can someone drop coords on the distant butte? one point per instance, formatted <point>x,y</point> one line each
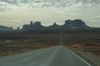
<point>5,28</point>
<point>69,24</point>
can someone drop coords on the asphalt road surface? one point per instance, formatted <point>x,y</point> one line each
<point>53,56</point>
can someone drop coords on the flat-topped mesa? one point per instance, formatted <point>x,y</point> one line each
<point>5,28</point>
<point>68,21</point>
<point>69,24</point>
<point>37,23</point>
<point>75,24</point>
<point>76,21</point>
<point>33,25</point>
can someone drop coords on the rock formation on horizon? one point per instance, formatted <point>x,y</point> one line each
<point>35,25</point>
<point>54,26</point>
<point>18,28</point>
<point>75,24</point>
<point>69,24</point>
<point>5,28</point>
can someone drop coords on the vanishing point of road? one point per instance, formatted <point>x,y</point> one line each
<point>52,56</point>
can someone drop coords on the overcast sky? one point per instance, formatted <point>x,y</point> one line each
<point>15,13</point>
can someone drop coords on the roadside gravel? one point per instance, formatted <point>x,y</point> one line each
<point>90,57</point>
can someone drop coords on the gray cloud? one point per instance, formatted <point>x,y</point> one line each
<point>2,4</point>
<point>62,3</point>
<point>50,3</point>
<point>9,1</point>
<point>2,9</point>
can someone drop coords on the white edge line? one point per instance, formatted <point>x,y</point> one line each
<point>80,58</point>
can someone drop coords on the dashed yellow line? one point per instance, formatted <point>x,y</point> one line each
<point>45,55</point>
<point>35,61</point>
<point>32,62</point>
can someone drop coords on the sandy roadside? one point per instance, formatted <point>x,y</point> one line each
<point>90,57</point>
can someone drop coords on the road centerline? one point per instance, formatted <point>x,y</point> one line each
<point>27,59</point>
<point>45,55</point>
<point>32,63</point>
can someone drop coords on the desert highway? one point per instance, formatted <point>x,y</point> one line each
<point>52,56</point>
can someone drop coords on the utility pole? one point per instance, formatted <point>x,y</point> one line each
<point>61,39</point>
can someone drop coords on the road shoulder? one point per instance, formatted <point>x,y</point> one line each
<point>95,60</point>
